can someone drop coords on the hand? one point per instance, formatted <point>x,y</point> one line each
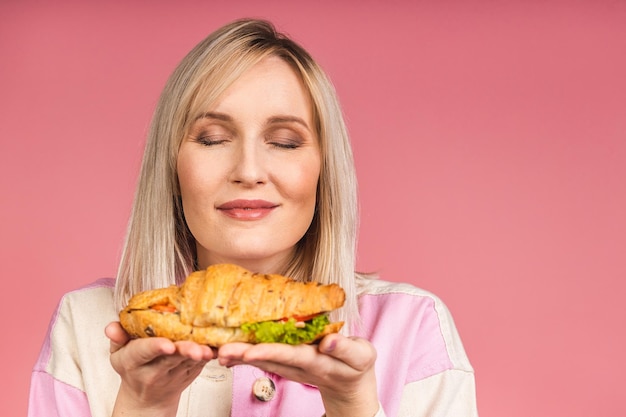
<point>341,367</point>
<point>154,371</point>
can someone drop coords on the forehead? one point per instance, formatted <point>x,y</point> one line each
<point>270,85</point>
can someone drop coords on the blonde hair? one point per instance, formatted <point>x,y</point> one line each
<point>159,249</point>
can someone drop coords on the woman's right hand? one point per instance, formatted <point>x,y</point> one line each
<point>154,372</point>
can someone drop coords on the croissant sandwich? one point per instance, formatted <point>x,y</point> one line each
<point>227,303</point>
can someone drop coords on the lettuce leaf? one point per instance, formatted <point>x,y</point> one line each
<point>287,332</point>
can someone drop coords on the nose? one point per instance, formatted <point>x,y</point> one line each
<point>249,165</point>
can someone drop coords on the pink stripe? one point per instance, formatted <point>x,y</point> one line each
<point>406,331</point>
<point>52,398</point>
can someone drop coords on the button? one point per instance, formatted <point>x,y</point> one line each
<point>264,389</point>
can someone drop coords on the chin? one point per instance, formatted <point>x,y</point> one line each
<point>262,260</point>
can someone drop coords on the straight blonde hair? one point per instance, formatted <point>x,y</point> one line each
<point>159,249</point>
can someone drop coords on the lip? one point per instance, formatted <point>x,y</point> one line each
<point>247,209</point>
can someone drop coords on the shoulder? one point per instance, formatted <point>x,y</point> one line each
<point>102,285</point>
<point>416,316</point>
<point>372,285</point>
<point>84,303</point>
<point>387,294</point>
<point>91,303</point>
<point>90,296</point>
<point>93,299</point>
<point>76,331</point>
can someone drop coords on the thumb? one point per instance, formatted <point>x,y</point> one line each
<point>117,335</point>
<point>355,352</point>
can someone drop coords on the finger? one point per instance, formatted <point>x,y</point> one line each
<point>194,351</point>
<point>231,354</point>
<point>151,350</point>
<point>286,360</point>
<point>117,335</point>
<point>187,356</point>
<point>185,372</point>
<point>356,352</point>
<point>232,350</point>
<point>291,355</point>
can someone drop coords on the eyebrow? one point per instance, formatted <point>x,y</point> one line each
<point>288,119</point>
<point>272,120</point>
<point>213,115</point>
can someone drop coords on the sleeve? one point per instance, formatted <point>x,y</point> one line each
<point>451,393</point>
<point>50,396</point>
<point>428,374</point>
<point>447,393</point>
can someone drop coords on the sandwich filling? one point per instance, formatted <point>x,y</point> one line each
<point>290,331</point>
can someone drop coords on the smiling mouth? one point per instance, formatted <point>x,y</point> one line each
<point>247,209</point>
<point>247,205</point>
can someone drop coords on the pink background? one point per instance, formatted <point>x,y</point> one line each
<point>490,142</point>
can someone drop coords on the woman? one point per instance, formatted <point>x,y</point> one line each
<point>248,162</point>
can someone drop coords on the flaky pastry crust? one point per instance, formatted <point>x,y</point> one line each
<point>212,304</point>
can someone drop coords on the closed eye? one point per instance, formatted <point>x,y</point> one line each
<point>283,138</point>
<point>285,145</point>
<point>211,140</point>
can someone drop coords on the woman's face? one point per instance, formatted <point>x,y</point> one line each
<point>249,169</point>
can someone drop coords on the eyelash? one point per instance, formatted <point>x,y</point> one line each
<point>210,140</point>
<point>284,140</point>
<point>285,143</point>
<point>207,141</point>
<point>290,145</point>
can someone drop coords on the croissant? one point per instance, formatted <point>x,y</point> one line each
<point>227,303</point>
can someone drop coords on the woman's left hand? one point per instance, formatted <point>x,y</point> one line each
<point>341,367</point>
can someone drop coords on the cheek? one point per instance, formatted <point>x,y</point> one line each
<point>186,179</point>
<point>303,182</point>
<point>194,181</point>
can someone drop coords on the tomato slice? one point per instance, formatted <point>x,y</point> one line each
<point>306,318</point>
<point>164,308</point>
